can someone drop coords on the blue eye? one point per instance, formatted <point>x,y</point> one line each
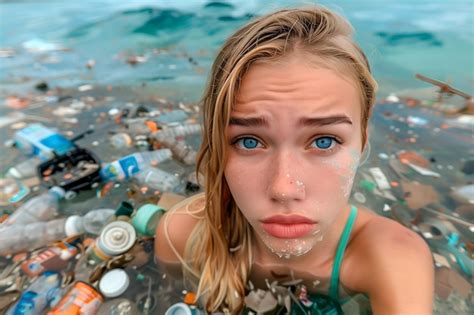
<point>248,143</point>
<point>324,142</point>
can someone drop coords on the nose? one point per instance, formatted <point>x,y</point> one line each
<point>285,185</point>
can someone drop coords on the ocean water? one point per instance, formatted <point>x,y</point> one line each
<point>400,38</point>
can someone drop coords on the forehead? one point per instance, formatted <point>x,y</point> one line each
<point>296,86</point>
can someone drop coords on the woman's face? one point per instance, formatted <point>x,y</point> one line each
<point>293,144</point>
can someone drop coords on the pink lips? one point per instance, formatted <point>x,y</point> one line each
<point>288,226</point>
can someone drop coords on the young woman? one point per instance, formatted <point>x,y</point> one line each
<point>284,127</point>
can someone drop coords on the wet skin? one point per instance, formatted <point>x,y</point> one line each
<point>294,143</point>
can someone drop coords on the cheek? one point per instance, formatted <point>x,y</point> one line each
<point>243,181</point>
<point>340,173</point>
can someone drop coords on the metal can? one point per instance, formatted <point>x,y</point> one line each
<point>116,238</point>
<point>81,299</point>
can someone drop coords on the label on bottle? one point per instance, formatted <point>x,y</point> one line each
<point>122,169</point>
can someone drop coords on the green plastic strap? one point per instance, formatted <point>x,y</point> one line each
<point>333,288</point>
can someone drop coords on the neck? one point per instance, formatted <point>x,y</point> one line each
<point>321,253</point>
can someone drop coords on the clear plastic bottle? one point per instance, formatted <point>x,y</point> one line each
<point>140,126</point>
<point>178,131</point>
<point>38,296</point>
<point>181,151</point>
<point>40,208</point>
<point>131,164</point>
<point>158,179</point>
<point>19,237</point>
<point>25,169</point>
<point>95,220</point>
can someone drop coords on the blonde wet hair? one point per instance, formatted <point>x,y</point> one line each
<point>218,253</point>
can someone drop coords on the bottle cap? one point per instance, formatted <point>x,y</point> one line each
<point>146,219</point>
<point>114,283</point>
<point>73,226</point>
<point>125,208</point>
<point>179,309</point>
<point>58,191</point>
<point>117,237</point>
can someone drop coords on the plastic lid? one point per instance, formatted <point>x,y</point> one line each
<point>73,226</point>
<point>179,309</point>
<point>125,208</point>
<point>146,219</point>
<point>114,283</point>
<point>58,191</point>
<point>117,237</point>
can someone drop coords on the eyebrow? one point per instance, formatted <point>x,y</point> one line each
<point>305,121</point>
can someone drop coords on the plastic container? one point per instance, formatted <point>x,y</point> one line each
<point>121,140</point>
<point>25,169</point>
<point>38,296</point>
<point>158,179</point>
<point>19,237</point>
<point>12,191</point>
<point>178,131</point>
<point>140,126</point>
<point>146,219</point>
<point>76,170</point>
<point>132,164</point>
<point>95,220</point>
<point>39,208</point>
<point>36,139</point>
<point>181,151</point>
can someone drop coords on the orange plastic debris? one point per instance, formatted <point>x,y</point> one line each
<point>413,158</point>
<point>190,298</point>
<point>153,126</point>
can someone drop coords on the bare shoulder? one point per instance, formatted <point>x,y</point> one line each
<point>175,226</point>
<point>396,267</point>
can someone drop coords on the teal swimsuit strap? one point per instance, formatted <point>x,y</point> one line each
<point>333,288</point>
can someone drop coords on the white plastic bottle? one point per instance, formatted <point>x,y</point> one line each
<point>158,179</point>
<point>131,164</point>
<point>17,238</point>
<point>40,208</point>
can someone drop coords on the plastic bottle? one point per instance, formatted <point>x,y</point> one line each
<point>132,164</point>
<point>173,116</point>
<point>181,151</point>
<point>121,140</point>
<point>19,237</point>
<point>140,126</point>
<point>25,169</point>
<point>158,179</point>
<point>11,191</point>
<point>95,220</point>
<point>178,131</point>
<point>40,208</point>
<point>39,295</point>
